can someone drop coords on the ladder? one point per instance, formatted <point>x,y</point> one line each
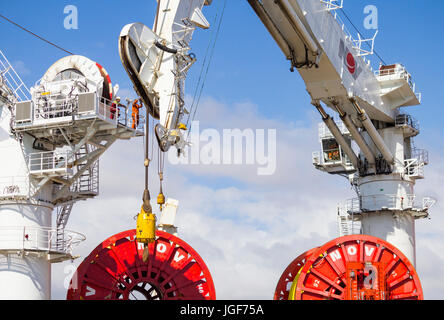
<point>344,226</point>
<point>63,213</point>
<point>87,183</point>
<point>83,184</point>
<point>348,224</point>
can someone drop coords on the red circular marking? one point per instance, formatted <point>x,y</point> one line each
<point>351,63</point>
<point>115,270</point>
<point>340,270</point>
<point>287,277</point>
<point>108,84</point>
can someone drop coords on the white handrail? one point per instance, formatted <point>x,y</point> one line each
<point>324,132</point>
<point>13,80</point>
<point>398,71</point>
<point>38,239</point>
<point>48,161</point>
<point>379,202</point>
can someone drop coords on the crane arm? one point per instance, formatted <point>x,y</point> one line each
<point>329,60</point>
<point>157,61</point>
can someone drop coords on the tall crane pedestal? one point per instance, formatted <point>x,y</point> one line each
<point>52,138</point>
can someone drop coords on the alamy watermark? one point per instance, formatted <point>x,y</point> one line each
<point>371,19</point>
<point>71,20</point>
<point>253,147</point>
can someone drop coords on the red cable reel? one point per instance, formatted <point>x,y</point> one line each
<point>290,273</point>
<point>357,267</point>
<point>115,270</point>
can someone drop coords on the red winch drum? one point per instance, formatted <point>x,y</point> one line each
<point>357,267</point>
<point>115,270</point>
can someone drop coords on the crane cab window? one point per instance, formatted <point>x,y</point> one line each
<point>69,74</point>
<point>331,150</point>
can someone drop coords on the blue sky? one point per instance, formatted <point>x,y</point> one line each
<point>249,75</point>
<point>247,65</point>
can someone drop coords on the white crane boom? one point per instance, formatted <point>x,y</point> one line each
<point>157,61</point>
<point>336,73</point>
<point>311,36</point>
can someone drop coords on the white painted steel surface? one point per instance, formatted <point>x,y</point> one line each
<point>35,176</point>
<point>340,75</point>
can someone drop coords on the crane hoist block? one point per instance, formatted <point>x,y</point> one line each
<point>146,227</point>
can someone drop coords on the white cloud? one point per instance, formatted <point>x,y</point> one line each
<point>124,93</point>
<point>21,68</point>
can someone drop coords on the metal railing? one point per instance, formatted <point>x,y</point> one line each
<point>119,114</point>
<point>48,161</point>
<point>428,202</point>
<point>379,202</point>
<point>333,4</point>
<point>406,120</point>
<point>348,225</point>
<point>6,95</point>
<point>86,185</point>
<point>413,168</point>
<point>88,182</point>
<point>47,108</point>
<point>397,71</point>
<point>13,80</point>
<point>421,154</point>
<point>418,96</point>
<point>316,158</point>
<point>357,43</point>
<point>137,124</point>
<point>38,239</point>
<point>319,161</point>
<point>106,110</point>
<point>324,132</point>
<point>126,118</point>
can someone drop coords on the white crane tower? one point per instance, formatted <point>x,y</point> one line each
<point>337,74</point>
<point>51,138</point>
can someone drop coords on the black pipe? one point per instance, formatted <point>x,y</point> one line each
<point>165,48</point>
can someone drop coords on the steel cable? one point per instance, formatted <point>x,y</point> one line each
<point>35,35</point>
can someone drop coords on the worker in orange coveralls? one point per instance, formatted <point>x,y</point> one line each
<point>135,113</point>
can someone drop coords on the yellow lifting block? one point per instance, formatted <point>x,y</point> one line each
<point>161,199</point>
<point>146,227</point>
